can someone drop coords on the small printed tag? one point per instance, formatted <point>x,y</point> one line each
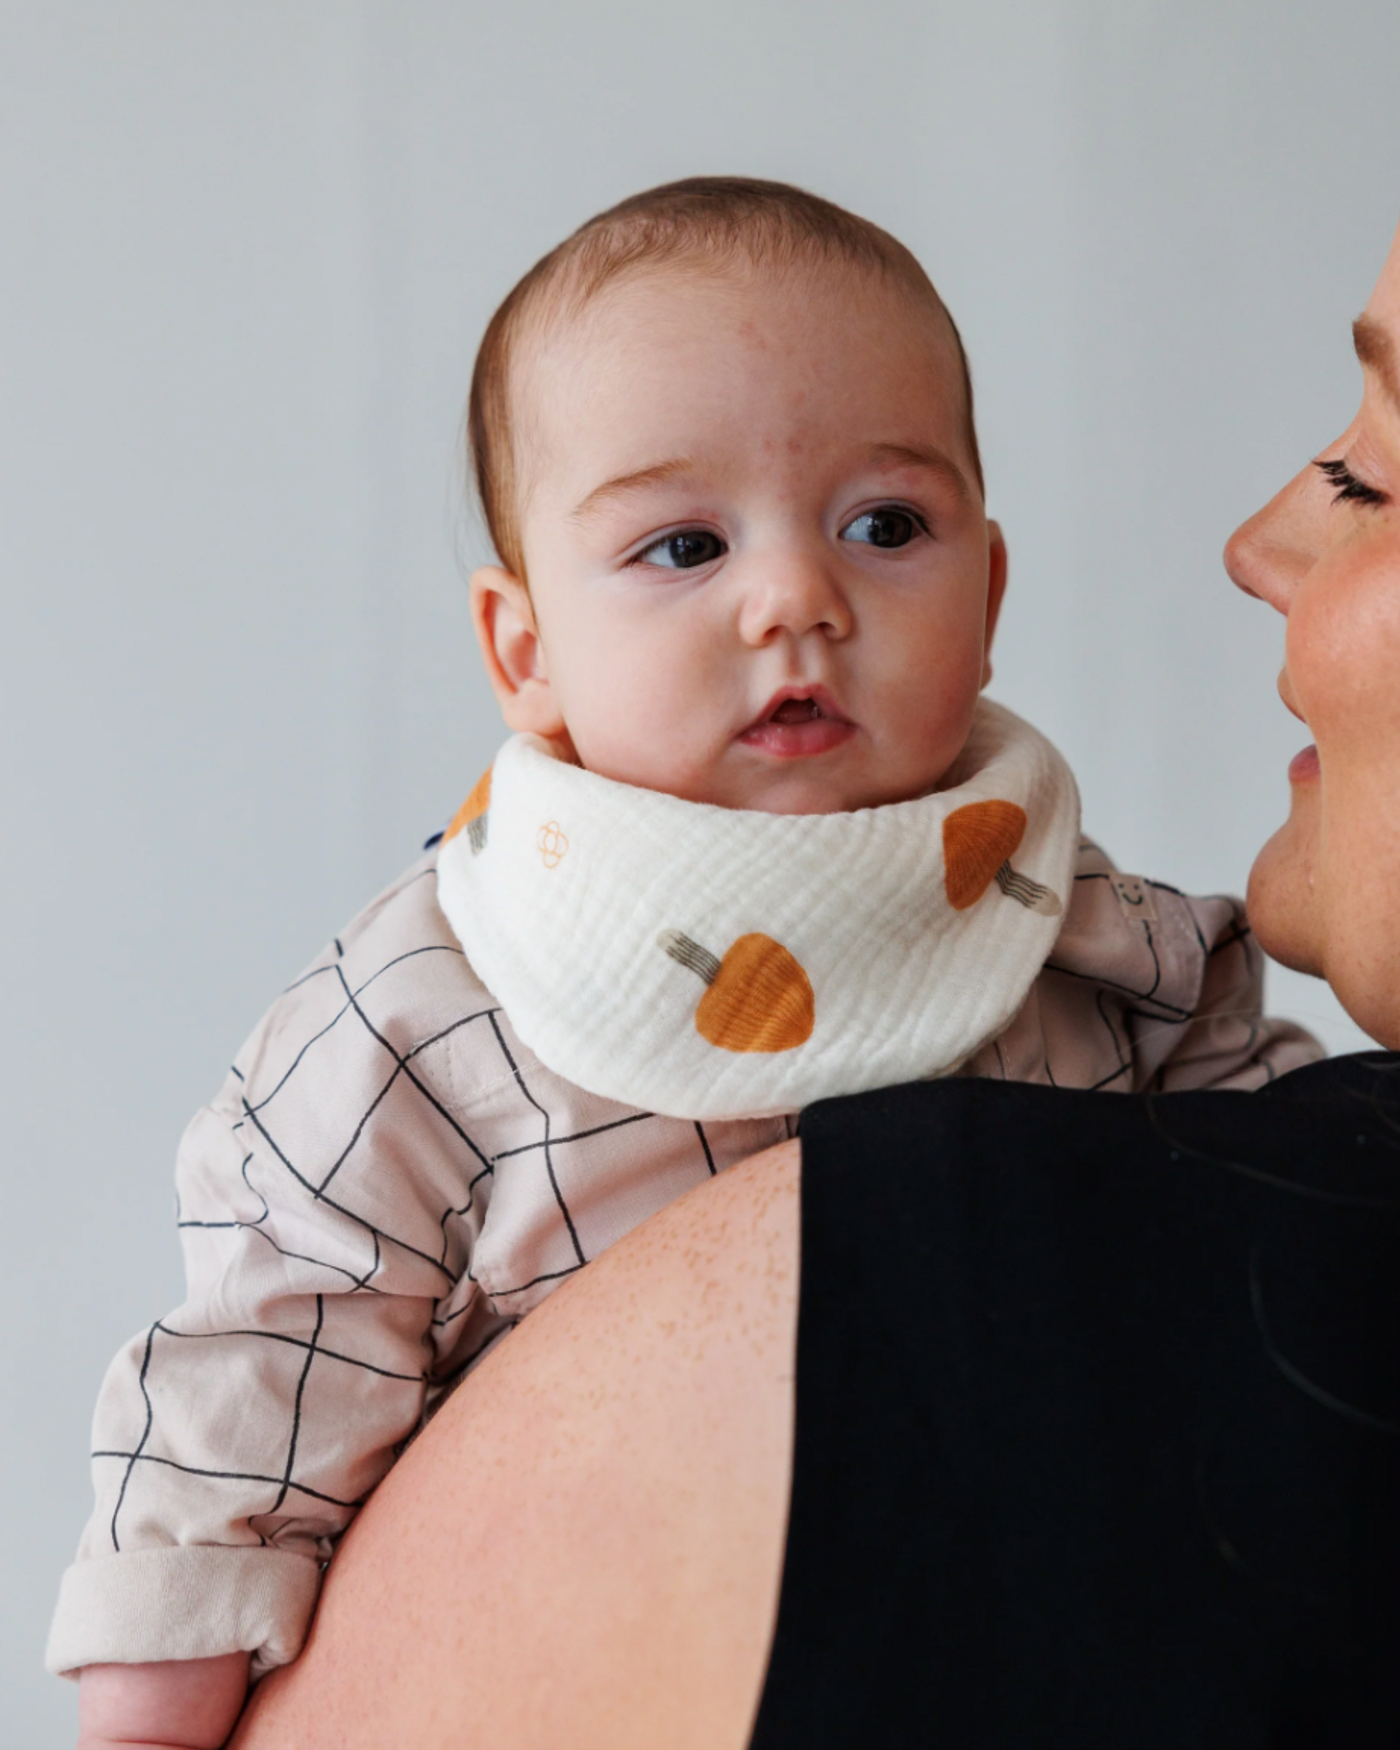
<point>1134,897</point>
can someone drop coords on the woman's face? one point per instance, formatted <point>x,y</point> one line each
<point>1324,894</point>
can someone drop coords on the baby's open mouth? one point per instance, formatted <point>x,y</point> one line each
<point>796,711</point>
<point>808,723</point>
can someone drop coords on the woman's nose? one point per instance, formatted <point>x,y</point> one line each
<point>792,593</point>
<point>1270,554</point>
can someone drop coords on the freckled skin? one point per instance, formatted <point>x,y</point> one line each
<point>585,1547</point>
<point>1323,892</point>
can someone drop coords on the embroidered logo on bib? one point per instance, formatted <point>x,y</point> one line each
<point>551,844</point>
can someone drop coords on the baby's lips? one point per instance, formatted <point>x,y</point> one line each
<point>818,696</point>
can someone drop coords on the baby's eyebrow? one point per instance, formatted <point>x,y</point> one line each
<point>621,484</point>
<point>891,454</point>
<point>1376,350</point>
<point>916,456</point>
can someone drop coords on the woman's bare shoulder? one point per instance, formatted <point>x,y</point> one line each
<point>586,1545</point>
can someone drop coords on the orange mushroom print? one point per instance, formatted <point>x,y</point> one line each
<point>471,816</point>
<point>978,843</point>
<point>759,998</point>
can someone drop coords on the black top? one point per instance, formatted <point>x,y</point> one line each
<point>1098,1420</point>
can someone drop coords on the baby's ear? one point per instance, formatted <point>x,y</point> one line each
<point>996,591</point>
<point>504,618</point>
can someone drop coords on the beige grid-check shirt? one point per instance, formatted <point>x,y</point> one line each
<point>388,1180</point>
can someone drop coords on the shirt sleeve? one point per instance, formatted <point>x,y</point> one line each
<point>1226,1039</point>
<point>325,1208</point>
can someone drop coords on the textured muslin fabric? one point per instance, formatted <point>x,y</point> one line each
<point>563,890</point>
<point>390,1178</point>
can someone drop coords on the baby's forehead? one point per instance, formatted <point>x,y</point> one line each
<point>569,317</point>
<point>655,310</point>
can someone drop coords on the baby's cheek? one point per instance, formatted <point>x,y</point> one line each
<point>940,687</point>
<point>654,719</point>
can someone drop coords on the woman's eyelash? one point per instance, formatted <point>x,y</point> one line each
<point>1349,488</point>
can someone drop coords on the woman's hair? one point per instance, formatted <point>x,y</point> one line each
<point>720,220</point>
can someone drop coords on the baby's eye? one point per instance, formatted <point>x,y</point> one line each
<point>683,550</point>
<point>886,527</point>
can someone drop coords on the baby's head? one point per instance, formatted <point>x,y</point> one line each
<point>723,440</point>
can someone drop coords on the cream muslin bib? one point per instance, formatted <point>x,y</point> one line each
<point>717,963</point>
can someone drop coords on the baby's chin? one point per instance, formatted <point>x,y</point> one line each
<point>832,783</point>
<point>812,792</point>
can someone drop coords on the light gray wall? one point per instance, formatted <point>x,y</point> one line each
<point>246,250</point>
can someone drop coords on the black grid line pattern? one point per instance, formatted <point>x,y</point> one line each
<point>389,1180</point>
<point>1126,1003</point>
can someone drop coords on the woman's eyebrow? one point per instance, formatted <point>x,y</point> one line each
<point>621,484</point>
<point>1376,350</point>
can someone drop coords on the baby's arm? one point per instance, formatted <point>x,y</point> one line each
<point>327,1213</point>
<point>235,1437</point>
<point>180,1704</point>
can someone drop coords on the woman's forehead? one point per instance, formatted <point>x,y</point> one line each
<point>1376,332</point>
<point>1384,304</point>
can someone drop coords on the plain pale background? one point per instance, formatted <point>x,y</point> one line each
<point>247,248</point>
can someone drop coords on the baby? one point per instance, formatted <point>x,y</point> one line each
<point>758,841</point>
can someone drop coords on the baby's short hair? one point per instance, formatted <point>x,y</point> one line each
<point>719,220</point>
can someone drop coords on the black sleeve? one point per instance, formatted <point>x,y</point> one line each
<point>1098,1420</point>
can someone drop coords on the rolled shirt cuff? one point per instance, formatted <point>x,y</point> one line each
<point>190,1601</point>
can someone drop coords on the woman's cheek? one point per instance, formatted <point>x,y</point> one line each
<point>1341,851</point>
<point>1282,899</point>
<point>1359,859</point>
<point>1343,647</point>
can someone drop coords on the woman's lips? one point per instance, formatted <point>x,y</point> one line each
<point>1304,766</point>
<point>795,727</point>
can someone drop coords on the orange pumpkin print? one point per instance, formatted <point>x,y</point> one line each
<point>758,997</point>
<point>471,817</point>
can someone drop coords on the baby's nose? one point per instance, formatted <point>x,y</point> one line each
<point>793,593</point>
